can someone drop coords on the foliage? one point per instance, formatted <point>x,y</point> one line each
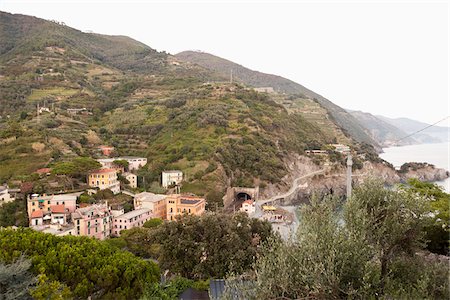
<point>86,266</point>
<point>154,222</point>
<point>121,163</point>
<point>13,214</point>
<point>211,245</point>
<point>79,166</point>
<point>15,279</point>
<point>438,230</point>
<point>173,289</point>
<point>365,249</point>
<point>47,289</point>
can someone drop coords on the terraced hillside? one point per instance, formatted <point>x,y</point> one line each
<point>258,79</point>
<point>143,102</point>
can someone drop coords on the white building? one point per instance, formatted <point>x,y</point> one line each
<point>171,177</point>
<point>155,202</point>
<point>5,197</point>
<point>132,179</point>
<point>134,218</point>
<point>341,148</point>
<point>248,207</point>
<point>134,163</point>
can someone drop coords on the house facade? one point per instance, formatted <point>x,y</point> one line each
<point>134,218</point>
<point>5,197</point>
<point>132,179</point>
<point>104,179</point>
<point>155,202</point>
<point>171,177</point>
<point>45,202</point>
<point>248,207</point>
<point>178,204</point>
<point>93,221</point>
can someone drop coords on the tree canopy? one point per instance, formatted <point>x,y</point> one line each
<point>87,266</point>
<point>365,249</point>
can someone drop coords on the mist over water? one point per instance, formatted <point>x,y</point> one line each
<point>436,154</point>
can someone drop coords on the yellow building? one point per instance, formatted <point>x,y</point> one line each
<point>181,204</point>
<point>104,179</point>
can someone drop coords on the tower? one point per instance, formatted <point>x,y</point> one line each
<point>349,175</point>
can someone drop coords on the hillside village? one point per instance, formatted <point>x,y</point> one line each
<point>132,173</point>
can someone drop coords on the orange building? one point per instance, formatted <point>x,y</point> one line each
<point>183,204</point>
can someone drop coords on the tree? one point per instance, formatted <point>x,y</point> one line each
<point>364,248</point>
<point>211,245</point>
<point>16,279</point>
<point>121,163</point>
<point>438,228</point>
<point>154,222</point>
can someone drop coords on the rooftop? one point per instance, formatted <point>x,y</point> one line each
<point>131,157</point>
<point>190,201</point>
<point>172,171</point>
<point>100,171</point>
<point>134,213</point>
<point>37,214</point>
<point>150,197</point>
<point>58,209</point>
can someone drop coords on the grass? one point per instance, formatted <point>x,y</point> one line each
<point>57,93</point>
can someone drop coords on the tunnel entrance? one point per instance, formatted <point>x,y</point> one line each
<point>241,197</point>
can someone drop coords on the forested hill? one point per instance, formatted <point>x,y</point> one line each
<point>280,84</point>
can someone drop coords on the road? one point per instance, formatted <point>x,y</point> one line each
<point>286,230</point>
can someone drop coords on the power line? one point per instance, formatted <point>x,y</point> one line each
<point>421,129</point>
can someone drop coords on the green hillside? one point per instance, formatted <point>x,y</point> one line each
<point>143,102</point>
<point>258,79</point>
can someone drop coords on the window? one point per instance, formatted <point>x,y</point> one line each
<point>64,202</point>
<point>189,210</point>
<point>57,202</point>
<point>32,203</point>
<point>171,210</point>
<point>125,227</point>
<point>48,202</point>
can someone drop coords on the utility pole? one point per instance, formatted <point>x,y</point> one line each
<point>38,120</point>
<point>349,175</point>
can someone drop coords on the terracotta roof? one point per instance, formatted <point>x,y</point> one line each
<point>58,209</point>
<point>247,202</point>
<point>37,214</point>
<point>103,171</point>
<point>43,171</point>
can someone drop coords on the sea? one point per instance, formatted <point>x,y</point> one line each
<point>436,154</point>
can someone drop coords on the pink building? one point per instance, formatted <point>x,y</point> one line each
<point>93,221</point>
<point>134,218</point>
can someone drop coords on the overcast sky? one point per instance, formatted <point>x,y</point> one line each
<point>389,58</point>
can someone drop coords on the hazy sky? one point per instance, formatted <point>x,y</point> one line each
<point>384,57</point>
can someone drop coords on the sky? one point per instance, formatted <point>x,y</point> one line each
<point>384,57</point>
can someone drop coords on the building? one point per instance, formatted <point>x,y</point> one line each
<point>134,163</point>
<point>267,89</point>
<point>155,202</point>
<point>93,221</point>
<point>5,197</point>
<point>132,179</point>
<point>134,218</point>
<point>341,148</point>
<point>45,202</point>
<point>106,150</point>
<point>182,204</point>
<point>104,179</point>
<point>248,207</point>
<point>171,177</point>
